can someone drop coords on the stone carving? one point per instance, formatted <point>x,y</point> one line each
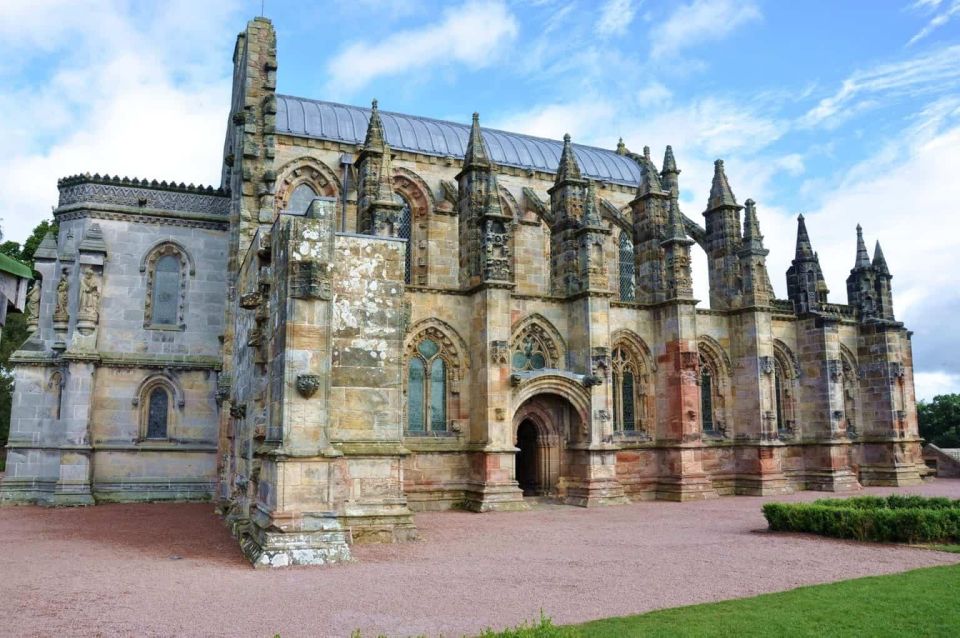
<point>32,308</point>
<point>143,194</point>
<point>61,312</point>
<point>590,380</point>
<point>766,365</point>
<point>89,309</point>
<point>499,353</point>
<point>308,384</point>
<point>310,280</point>
<point>250,300</point>
<point>600,361</point>
<point>238,411</point>
<point>835,370</point>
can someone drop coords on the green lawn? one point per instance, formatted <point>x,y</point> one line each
<point>922,602</point>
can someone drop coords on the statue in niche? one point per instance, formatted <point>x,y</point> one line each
<point>89,296</point>
<point>33,304</point>
<point>63,290</point>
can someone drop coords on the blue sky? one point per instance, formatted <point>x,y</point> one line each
<point>846,111</point>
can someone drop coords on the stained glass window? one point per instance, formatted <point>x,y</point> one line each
<point>157,414</point>
<point>415,394</point>
<point>627,407</point>
<point>629,419</point>
<point>427,388</point>
<point>627,285</point>
<point>530,355</point>
<point>166,290</point>
<point>300,199</point>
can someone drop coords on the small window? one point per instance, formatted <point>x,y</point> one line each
<point>166,290</point>
<point>157,413</point>
<point>706,397</point>
<point>300,199</point>
<point>404,228</point>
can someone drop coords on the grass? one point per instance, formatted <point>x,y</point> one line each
<point>922,602</point>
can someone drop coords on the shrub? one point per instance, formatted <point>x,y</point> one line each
<point>897,519</point>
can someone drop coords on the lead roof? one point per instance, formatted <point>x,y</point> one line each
<point>317,119</point>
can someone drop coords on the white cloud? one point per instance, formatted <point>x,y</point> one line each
<point>135,90</point>
<point>653,94</point>
<point>699,22</point>
<point>472,34</point>
<point>936,72</point>
<point>615,18</point>
<point>931,384</point>
<point>937,21</point>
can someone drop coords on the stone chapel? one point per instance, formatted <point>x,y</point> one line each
<point>376,314</point>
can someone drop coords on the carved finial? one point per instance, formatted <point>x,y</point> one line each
<point>879,261</point>
<point>720,193</point>
<point>621,147</point>
<point>374,140</point>
<point>568,168</point>
<point>804,249</point>
<point>863,257</point>
<point>751,226</point>
<point>476,154</point>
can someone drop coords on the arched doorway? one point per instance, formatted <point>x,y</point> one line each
<point>542,424</point>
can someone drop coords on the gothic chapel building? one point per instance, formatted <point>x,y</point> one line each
<point>377,314</point>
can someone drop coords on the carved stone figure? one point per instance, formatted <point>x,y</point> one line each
<point>60,312</point>
<point>32,308</point>
<point>90,296</point>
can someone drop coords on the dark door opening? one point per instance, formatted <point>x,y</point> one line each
<point>527,471</point>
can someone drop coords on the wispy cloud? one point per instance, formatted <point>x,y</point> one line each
<point>106,81</point>
<point>471,34</point>
<point>930,73</point>
<point>699,22</point>
<point>615,18</point>
<point>950,11</point>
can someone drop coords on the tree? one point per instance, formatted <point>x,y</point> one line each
<point>15,330</point>
<point>940,420</point>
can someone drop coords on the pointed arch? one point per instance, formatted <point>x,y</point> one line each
<point>415,188</point>
<point>714,381</point>
<point>536,335</point>
<point>632,383</point>
<point>786,389</point>
<point>159,398</point>
<point>508,202</point>
<point>167,266</point>
<point>434,363</point>
<point>413,192</point>
<point>309,171</point>
<point>851,390</point>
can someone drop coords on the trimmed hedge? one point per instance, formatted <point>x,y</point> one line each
<point>895,519</point>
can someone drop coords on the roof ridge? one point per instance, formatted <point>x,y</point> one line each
<point>117,180</point>
<point>448,122</point>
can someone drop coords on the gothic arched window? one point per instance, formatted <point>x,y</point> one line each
<point>427,389</point>
<point>626,383</point>
<point>158,408</point>
<point>166,267</point>
<point>627,280</point>
<point>300,199</point>
<point>166,291</point>
<point>708,389</point>
<point>403,231</point>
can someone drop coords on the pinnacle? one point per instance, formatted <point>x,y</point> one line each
<point>669,162</point>
<point>720,193</point>
<point>751,225</point>
<point>879,261</point>
<point>675,228</point>
<point>476,154</point>
<point>374,140</point>
<point>591,216</point>
<point>568,168</point>
<point>863,258</point>
<point>804,249</point>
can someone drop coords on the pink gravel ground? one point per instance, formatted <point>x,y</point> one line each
<point>173,570</point>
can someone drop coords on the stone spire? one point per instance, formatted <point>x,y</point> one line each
<point>568,168</point>
<point>476,154</point>
<point>374,141</point>
<point>863,257</point>
<point>591,208</point>
<point>674,230</point>
<point>670,173</point>
<point>751,227</point>
<point>879,262</point>
<point>806,286</point>
<point>720,193</point>
<point>804,249</point>
<point>650,182</point>
<point>378,211</point>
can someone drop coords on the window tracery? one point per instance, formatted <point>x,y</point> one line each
<point>535,346</point>
<point>432,383</point>
<point>629,383</point>
<point>627,266</point>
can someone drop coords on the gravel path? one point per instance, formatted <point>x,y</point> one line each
<point>173,570</point>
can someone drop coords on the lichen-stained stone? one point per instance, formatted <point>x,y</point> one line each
<point>365,321</point>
